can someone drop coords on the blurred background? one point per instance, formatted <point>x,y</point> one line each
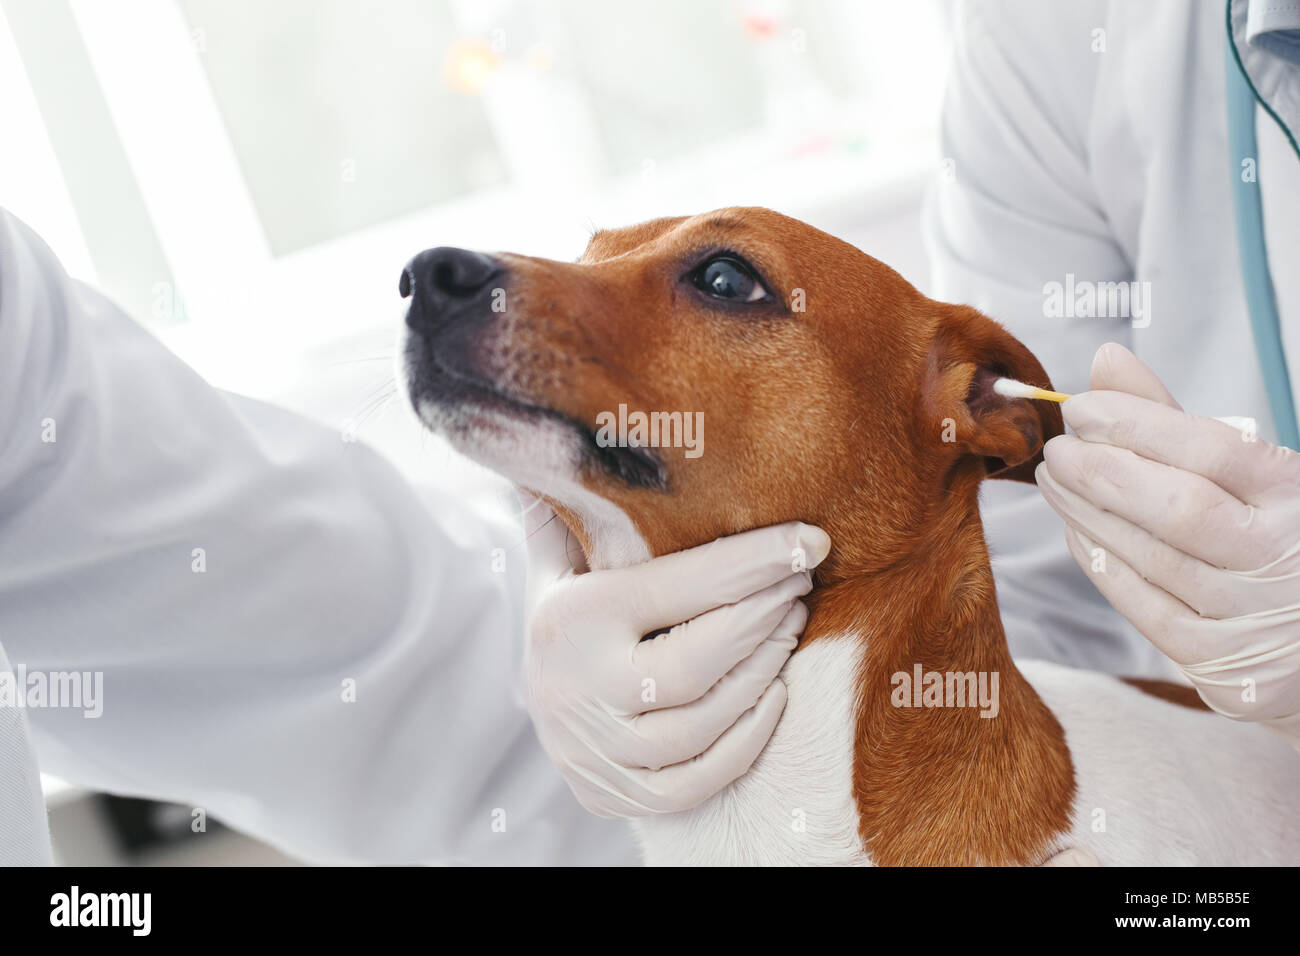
<point>248,177</point>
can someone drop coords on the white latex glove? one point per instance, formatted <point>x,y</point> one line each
<point>1191,529</point>
<point>658,726</point>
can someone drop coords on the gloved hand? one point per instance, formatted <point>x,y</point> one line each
<point>658,726</point>
<point>1191,529</point>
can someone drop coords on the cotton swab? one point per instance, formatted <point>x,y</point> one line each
<point>1010,388</point>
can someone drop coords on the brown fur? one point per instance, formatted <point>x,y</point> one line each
<point>840,416</point>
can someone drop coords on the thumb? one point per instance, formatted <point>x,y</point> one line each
<point>1116,369</point>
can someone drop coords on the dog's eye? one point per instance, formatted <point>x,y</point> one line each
<point>724,277</point>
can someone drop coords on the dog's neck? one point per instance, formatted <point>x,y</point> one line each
<point>942,784</point>
<point>937,785</point>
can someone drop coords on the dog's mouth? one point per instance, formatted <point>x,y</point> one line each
<point>469,408</point>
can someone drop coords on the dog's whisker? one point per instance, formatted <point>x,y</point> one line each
<point>386,384</point>
<point>375,402</point>
<point>385,388</point>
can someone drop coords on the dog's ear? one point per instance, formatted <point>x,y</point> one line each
<point>968,353</point>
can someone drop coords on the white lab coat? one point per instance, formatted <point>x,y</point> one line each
<point>224,688</point>
<point>1109,165</point>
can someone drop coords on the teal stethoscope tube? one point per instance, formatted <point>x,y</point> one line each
<point>1260,299</point>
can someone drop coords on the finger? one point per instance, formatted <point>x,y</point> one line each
<point>1200,586</point>
<point>690,658</point>
<point>1245,469</point>
<point>682,786</point>
<point>1189,512</point>
<point>1117,369</point>
<point>1154,612</point>
<point>659,738</point>
<point>677,587</point>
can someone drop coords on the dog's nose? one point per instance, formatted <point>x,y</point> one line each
<point>441,279</point>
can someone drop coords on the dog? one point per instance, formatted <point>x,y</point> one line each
<point>837,394</point>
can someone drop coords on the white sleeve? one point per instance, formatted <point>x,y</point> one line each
<point>24,835</point>
<point>289,638</point>
<point>1017,208</point>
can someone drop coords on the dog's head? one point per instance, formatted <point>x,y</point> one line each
<point>694,377</point>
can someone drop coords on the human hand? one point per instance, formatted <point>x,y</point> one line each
<point>1191,529</point>
<point>658,726</point>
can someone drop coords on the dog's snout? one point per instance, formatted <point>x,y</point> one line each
<point>444,278</point>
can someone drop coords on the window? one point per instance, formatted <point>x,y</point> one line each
<point>249,177</point>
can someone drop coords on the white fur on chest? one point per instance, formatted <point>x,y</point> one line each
<point>795,806</point>
<point>1157,784</point>
<point>1164,785</point>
